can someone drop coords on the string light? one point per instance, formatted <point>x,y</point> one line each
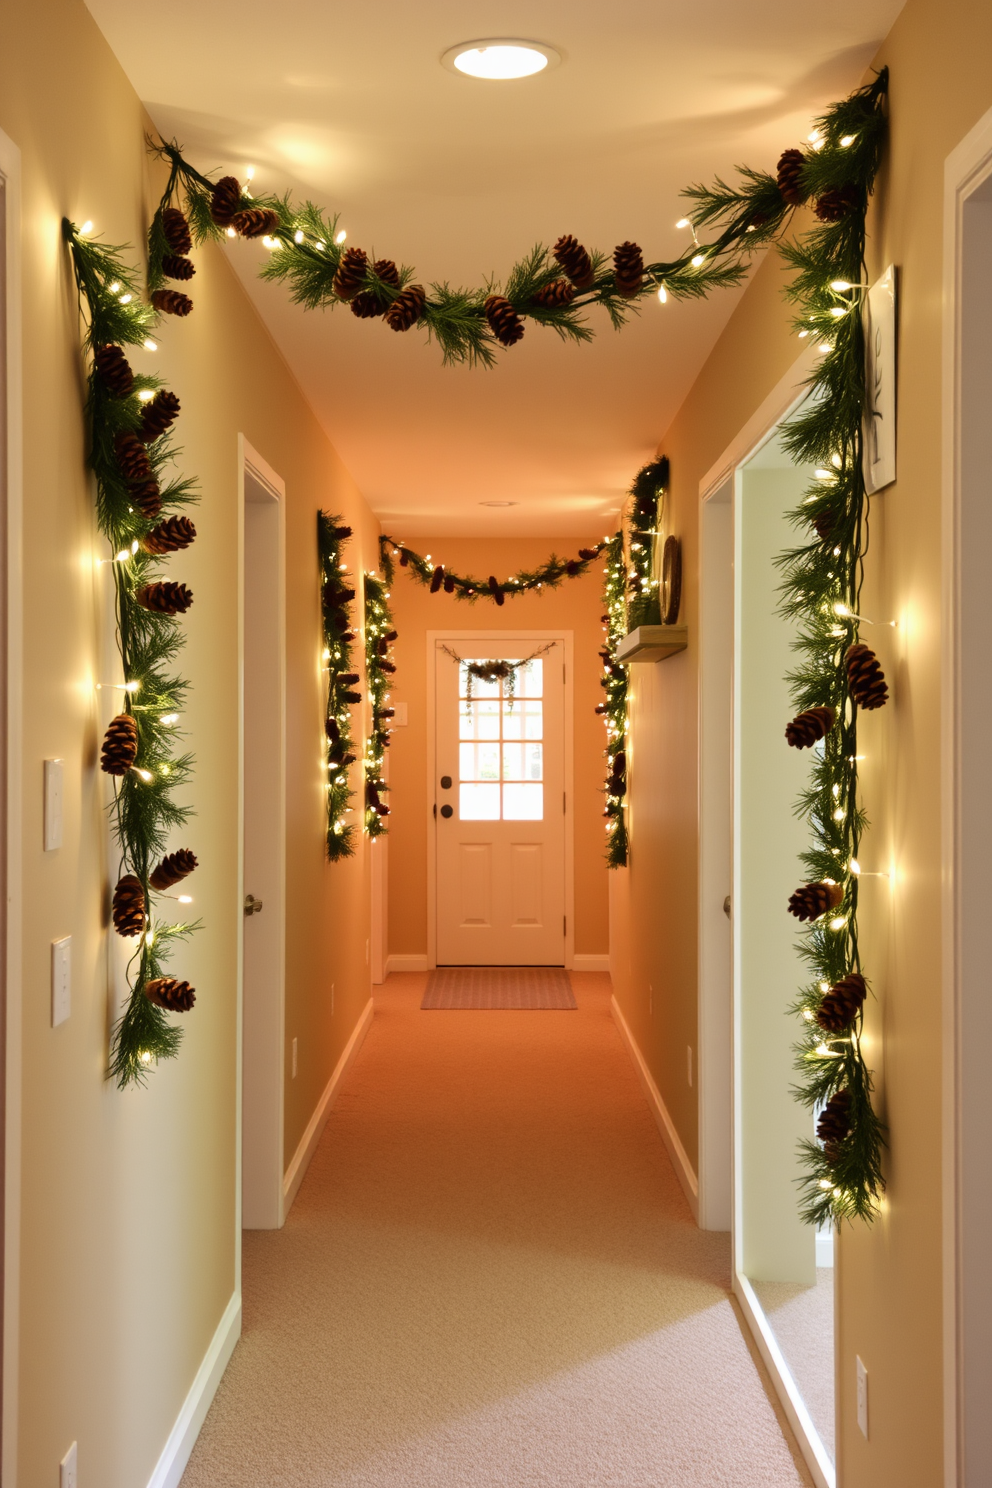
<point>149,344</point>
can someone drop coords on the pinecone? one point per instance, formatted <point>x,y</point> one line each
<point>806,728</point>
<point>173,867</point>
<point>504,322</point>
<point>166,992</point>
<point>834,205</point>
<point>158,415</point>
<point>823,522</point>
<point>437,579</point>
<point>175,230</point>
<point>120,745</point>
<point>255,222</point>
<point>628,269</point>
<point>128,909</point>
<point>225,200</point>
<point>573,259</point>
<point>814,899</point>
<point>588,555</point>
<point>341,532</point>
<point>407,308</point>
<point>132,457</point>
<point>841,1005</point>
<point>495,590</point>
<point>171,302</point>
<point>789,177</point>
<point>114,370</point>
<point>175,266</point>
<point>386,270</point>
<point>164,597</point>
<point>865,677</point>
<point>366,305</point>
<point>145,495</point>
<point>350,697</point>
<point>350,273</point>
<point>556,294</point>
<point>834,1123</point>
<point>169,536</point>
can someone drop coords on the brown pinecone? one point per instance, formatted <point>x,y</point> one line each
<point>504,322</point>
<point>175,230</point>
<point>865,677</point>
<point>834,205</point>
<point>350,274</point>
<point>166,992</point>
<point>386,270</point>
<point>834,1123</point>
<point>175,266</point>
<point>628,269</point>
<point>128,909</point>
<point>173,867</point>
<point>225,200</point>
<point>573,259</point>
<point>169,536</point>
<point>807,727</point>
<point>495,590</point>
<point>407,308</point>
<point>158,415</point>
<point>366,305</point>
<point>814,899</point>
<point>146,496</point>
<point>171,302</point>
<point>114,370</point>
<point>255,222</point>
<point>556,294</point>
<point>841,1005</point>
<point>163,597</point>
<point>132,457</point>
<point>120,745</point>
<point>824,525</point>
<point>789,177</point>
<point>437,579</point>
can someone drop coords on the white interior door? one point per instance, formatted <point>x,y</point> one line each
<point>500,807</point>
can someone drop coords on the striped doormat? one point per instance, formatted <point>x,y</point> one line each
<point>495,988</point>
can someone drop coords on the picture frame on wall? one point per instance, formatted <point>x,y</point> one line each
<point>880,380</point>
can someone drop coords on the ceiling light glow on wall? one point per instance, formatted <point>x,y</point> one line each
<point>499,59</point>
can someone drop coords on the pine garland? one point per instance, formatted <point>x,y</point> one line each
<point>379,670</point>
<point>614,684</point>
<point>144,809</point>
<point>647,493</point>
<point>336,599</point>
<point>437,577</point>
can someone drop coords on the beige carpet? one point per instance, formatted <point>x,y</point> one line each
<point>490,1279</point>
<point>503,988</point>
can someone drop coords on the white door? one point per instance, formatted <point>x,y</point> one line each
<point>500,807</point>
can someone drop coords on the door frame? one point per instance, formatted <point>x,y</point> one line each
<point>567,638</point>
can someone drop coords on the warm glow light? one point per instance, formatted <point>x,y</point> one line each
<point>339,238</point>
<point>683,222</point>
<point>697,259</point>
<point>298,236</point>
<point>663,294</point>
<point>249,173</point>
<point>87,227</point>
<point>231,233</point>
<point>146,394</point>
<point>499,61</point>
<point>150,345</point>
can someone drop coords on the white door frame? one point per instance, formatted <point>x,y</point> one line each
<point>567,638</point>
<point>719,1023</point>
<point>965,720</point>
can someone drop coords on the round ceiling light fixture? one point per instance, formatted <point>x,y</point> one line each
<point>499,59</point>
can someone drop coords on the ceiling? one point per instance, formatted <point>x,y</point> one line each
<point>350,105</point>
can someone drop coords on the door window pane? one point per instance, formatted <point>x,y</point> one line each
<point>479,720</point>
<point>523,761</point>
<point>530,680</point>
<point>478,802</point>
<point>478,761</point>
<point>523,802</point>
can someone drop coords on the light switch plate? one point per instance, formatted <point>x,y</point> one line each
<point>67,1469</point>
<point>862,1398</point>
<point>400,718</point>
<point>53,804</point>
<point>61,979</point>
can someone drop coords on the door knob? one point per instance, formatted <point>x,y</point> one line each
<point>726,906</point>
<point>447,811</point>
<point>252,905</point>
<point>445,782</point>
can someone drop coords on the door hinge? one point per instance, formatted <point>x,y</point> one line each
<point>564,924</point>
<point>563,806</point>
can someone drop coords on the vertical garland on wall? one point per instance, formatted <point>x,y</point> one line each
<point>647,492</point>
<point>614,684</point>
<point>379,669</point>
<point>336,598</point>
<point>140,513</point>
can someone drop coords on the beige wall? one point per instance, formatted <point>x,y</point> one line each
<point>128,1204</point>
<point>577,606</point>
<point>890,1275</point>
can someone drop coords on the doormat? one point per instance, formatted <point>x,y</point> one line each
<point>498,988</point>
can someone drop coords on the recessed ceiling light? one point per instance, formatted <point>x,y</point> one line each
<point>499,59</point>
<point>499,503</point>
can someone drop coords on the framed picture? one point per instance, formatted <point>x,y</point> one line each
<point>880,372</point>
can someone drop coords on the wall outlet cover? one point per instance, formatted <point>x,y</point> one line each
<point>61,979</point>
<point>67,1469</point>
<point>862,1398</point>
<point>53,804</point>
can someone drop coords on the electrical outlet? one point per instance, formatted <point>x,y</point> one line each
<point>53,804</point>
<point>67,1469</point>
<point>295,1061</point>
<point>61,978</point>
<point>688,1062</point>
<point>862,1398</point>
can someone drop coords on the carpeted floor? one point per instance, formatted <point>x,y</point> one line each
<point>491,1279</point>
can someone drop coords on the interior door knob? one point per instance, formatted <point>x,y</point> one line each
<point>726,906</point>
<point>252,905</point>
<point>447,811</point>
<point>445,782</point>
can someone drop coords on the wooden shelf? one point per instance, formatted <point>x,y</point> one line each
<point>652,643</point>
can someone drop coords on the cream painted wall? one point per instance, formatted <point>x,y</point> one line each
<point>128,1205</point>
<point>577,606</point>
<point>889,1277</point>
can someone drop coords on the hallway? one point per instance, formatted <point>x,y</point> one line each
<point>491,1277</point>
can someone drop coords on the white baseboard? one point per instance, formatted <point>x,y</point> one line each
<point>293,1176</point>
<point>589,963</point>
<point>678,1154</point>
<point>406,963</point>
<point>176,1452</point>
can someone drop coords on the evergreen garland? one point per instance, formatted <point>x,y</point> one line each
<point>144,809</point>
<point>379,670</point>
<point>437,577</point>
<point>336,599</point>
<point>614,684</point>
<point>647,493</point>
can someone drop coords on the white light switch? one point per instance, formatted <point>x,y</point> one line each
<point>862,1398</point>
<point>67,1469</point>
<point>53,804</point>
<point>61,967</point>
<point>400,719</point>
